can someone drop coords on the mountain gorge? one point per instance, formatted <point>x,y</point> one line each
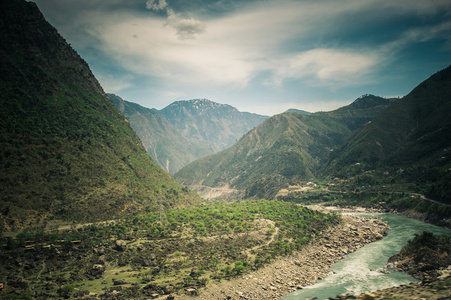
<point>186,130</point>
<point>284,150</point>
<point>65,151</point>
<point>167,146</point>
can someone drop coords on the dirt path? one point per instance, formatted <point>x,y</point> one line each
<point>300,269</point>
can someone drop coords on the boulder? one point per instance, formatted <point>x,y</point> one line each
<point>169,289</point>
<point>368,296</point>
<point>97,269</point>
<point>191,292</point>
<point>119,281</point>
<point>121,245</point>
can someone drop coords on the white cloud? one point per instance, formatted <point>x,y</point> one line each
<point>156,4</point>
<point>185,28</point>
<point>274,38</point>
<point>328,66</point>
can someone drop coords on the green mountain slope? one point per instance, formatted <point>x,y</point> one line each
<point>65,150</point>
<point>413,134</point>
<point>203,119</point>
<point>168,147</point>
<point>284,150</point>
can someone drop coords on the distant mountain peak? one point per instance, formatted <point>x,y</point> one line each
<point>199,103</point>
<point>298,111</point>
<point>368,100</point>
<point>206,120</point>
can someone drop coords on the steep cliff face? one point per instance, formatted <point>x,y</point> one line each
<point>65,150</point>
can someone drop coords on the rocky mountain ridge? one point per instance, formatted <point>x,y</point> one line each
<point>167,146</point>
<point>206,120</point>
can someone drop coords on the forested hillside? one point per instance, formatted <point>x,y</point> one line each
<point>409,142</point>
<point>284,150</point>
<point>65,151</point>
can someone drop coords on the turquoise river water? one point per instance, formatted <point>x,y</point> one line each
<point>358,272</point>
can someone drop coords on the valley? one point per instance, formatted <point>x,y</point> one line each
<point>163,252</point>
<point>102,198</point>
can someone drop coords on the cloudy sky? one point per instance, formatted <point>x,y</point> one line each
<point>261,56</point>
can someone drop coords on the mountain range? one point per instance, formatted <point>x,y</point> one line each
<point>186,130</point>
<point>168,147</point>
<point>65,151</point>
<point>283,150</point>
<point>407,138</point>
<point>206,120</point>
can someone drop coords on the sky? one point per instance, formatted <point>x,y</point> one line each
<point>260,56</point>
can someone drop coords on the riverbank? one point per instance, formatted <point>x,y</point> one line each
<point>302,268</point>
<point>431,289</point>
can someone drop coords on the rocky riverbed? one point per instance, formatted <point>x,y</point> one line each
<point>300,269</point>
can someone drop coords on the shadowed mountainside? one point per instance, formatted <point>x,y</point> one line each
<point>410,139</point>
<point>65,150</point>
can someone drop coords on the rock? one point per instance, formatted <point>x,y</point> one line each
<point>191,292</point>
<point>97,269</point>
<point>146,263</point>
<point>368,296</point>
<point>170,297</point>
<point>119,281</point>
<point>169,289</point>
<point>121,245</point>
<point>101,260</point>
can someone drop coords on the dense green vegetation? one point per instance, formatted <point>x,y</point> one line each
<point>178,248</point>
<point>65,151</point>
<point>368,146</point>
<point>425,254</point>
<point>377,191</point>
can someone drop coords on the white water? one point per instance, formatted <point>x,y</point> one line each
<point>358,273</point>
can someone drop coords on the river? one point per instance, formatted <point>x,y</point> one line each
<point>358,272</point>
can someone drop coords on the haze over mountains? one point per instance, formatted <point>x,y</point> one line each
<point>168,147</point>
